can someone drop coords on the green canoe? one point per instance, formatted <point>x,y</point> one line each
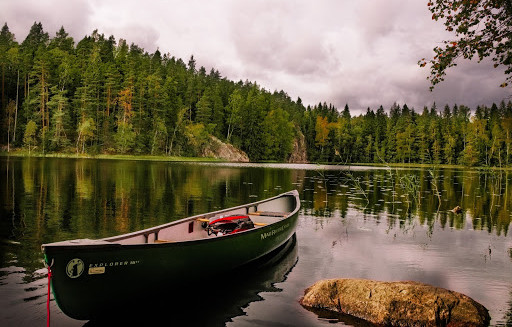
<point>89,276</point>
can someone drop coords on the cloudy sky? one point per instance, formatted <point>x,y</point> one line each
<point>361,53</point>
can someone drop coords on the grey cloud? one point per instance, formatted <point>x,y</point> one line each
<point>376,19</point>
<point>472,84</point>
<point>145,37</point>
<point>21,14</point>
<point>361,53</point>
<point>267,38</point>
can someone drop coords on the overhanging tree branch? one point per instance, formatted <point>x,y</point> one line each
<point>482,28</point>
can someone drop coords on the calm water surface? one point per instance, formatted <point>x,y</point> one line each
<point>384,224</point>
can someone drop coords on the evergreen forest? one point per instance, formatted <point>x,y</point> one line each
<point>104,96</point>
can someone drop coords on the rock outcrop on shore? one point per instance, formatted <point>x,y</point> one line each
<point>396,303</point>
<point>220,150</point>
<point>299,151</point>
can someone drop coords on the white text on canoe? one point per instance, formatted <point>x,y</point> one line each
<point>274,231</point>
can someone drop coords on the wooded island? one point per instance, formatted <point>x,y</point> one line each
<point>102,96</point>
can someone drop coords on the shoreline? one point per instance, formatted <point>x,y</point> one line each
<point>24,154</point>
<point>161,158</point>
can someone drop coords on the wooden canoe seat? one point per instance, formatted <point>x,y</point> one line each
<point>163,241</point>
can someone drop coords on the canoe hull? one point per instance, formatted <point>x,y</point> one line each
<point>87,280</point>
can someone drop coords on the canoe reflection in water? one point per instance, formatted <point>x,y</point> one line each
<point>209,301</point>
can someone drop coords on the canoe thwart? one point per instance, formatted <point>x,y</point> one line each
<point>269,213</point>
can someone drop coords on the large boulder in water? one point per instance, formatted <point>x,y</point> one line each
<point>396,303</point>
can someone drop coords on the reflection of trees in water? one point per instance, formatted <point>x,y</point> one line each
<point>57,199</point>
<point>109,197</point>
<point>406,195</point>
<point>66,198</point>
<point>507,319</point>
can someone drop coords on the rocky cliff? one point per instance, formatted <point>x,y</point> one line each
<point>299,152</point>
<point>220,150</point>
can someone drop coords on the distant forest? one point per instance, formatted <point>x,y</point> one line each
<point>105,96</point>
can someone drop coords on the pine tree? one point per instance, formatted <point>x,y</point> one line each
<point>30,135</point>
<point>218,113</point>
<point>58,106</point>
<point>234,112</point>
<point>380,134</point>
<point>251,120</point>
<point>62,41</point>
<point>7,43</point>
<point>423,140</point>
<point>39,82</point>
<point>277,135</point>
<point>204,110</point>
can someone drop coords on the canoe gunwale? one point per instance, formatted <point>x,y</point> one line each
<point>111,242</point>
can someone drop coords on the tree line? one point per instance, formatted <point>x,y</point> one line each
<point>105,96</point>
<point>451,135</point>
<point>102,95</point>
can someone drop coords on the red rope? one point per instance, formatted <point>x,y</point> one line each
<point>48,300</point>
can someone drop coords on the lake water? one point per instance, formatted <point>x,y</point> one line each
<point>357,222</point>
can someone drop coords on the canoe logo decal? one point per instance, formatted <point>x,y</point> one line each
<point>274,232</point>
<point>75,268</point>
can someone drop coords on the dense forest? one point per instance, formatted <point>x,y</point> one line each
<point>105,96</point>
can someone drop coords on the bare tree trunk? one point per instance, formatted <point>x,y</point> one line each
<point>227,136</point>
<point>172,139</point>
<point>167,145</point>
<point>78,141</point>
<point>230,130</point>
<point>508,147</point>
